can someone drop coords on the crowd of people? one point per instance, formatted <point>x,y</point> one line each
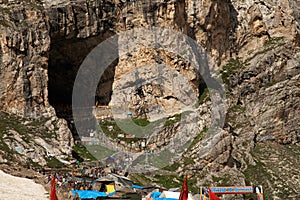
<point>79,178</point>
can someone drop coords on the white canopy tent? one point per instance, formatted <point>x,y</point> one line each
<point>174,195</point>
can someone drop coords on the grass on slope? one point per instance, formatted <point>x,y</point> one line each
<point>33,128</point>
<point>277,169</point>
<point>81,153</point>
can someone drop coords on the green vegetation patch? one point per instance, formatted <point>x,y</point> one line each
<point>198,138</point>
<point>135,180</point>
<point>11,122</point>
<point>141,121</point>
<point>36,4</point>
<point>275,165</point>
<point>231,67</point>
<point>172,120</point>
<point>52,162</point>
<point>176,118</point>
<point>275,41</point>
<point>160,160</point>
<point>81,153</point>
<point>173,167</point>
<point>139,127</point>
<point>269,45</point>
<point>132,126</point>
<point>172,181</point>
<point>4,11</point>
<point>188,161</point>
<point>98,152</point>
<point>168,181</point>
<point>221,181</point>
<point>140,179</point>
<point>237,108</point>
<point>4,22</point>
<point>233,113</point>
<point>204,96</point>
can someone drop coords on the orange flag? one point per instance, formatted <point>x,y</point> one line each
<point>212,195</point>
<point>53,189</point>
<point>184,192</point>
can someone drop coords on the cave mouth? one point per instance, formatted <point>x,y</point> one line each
<point>65,58</point>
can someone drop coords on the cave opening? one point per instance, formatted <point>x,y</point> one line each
<point>65,59</point>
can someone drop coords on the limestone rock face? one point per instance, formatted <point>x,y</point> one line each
<point>253,44</point>
<point>26,140</point>
<point>25,44</point>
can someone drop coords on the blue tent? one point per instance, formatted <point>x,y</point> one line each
<point>155,195</point>
<point>137,186</point>
<point>89,194</point>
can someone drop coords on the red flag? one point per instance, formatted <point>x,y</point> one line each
<point>184,192</point>
<point>53,189</point>
<point>212,195</point>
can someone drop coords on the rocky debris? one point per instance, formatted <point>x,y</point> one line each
<point>31,142</point>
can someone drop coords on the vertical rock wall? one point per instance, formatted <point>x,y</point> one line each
<point>223,28</point>
<point>261,37</point>
<point>25,44</point>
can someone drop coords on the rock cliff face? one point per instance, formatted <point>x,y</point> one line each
<point>254,44</point>
<point>25,46</point>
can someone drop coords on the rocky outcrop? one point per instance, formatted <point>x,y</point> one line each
<point>25,46</point>
<point>254,44</point>
<point>261,113</point>
<point>28,141</point>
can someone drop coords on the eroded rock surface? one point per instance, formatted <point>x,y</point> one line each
<point>255,45</point>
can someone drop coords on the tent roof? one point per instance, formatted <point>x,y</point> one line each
<point>122,177</point>
<point>173,195</point>
<point>104,180</point>
<point>88,194</point>
<point>155,195</point>
<point>137,186</point>
<point>154,187</point>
